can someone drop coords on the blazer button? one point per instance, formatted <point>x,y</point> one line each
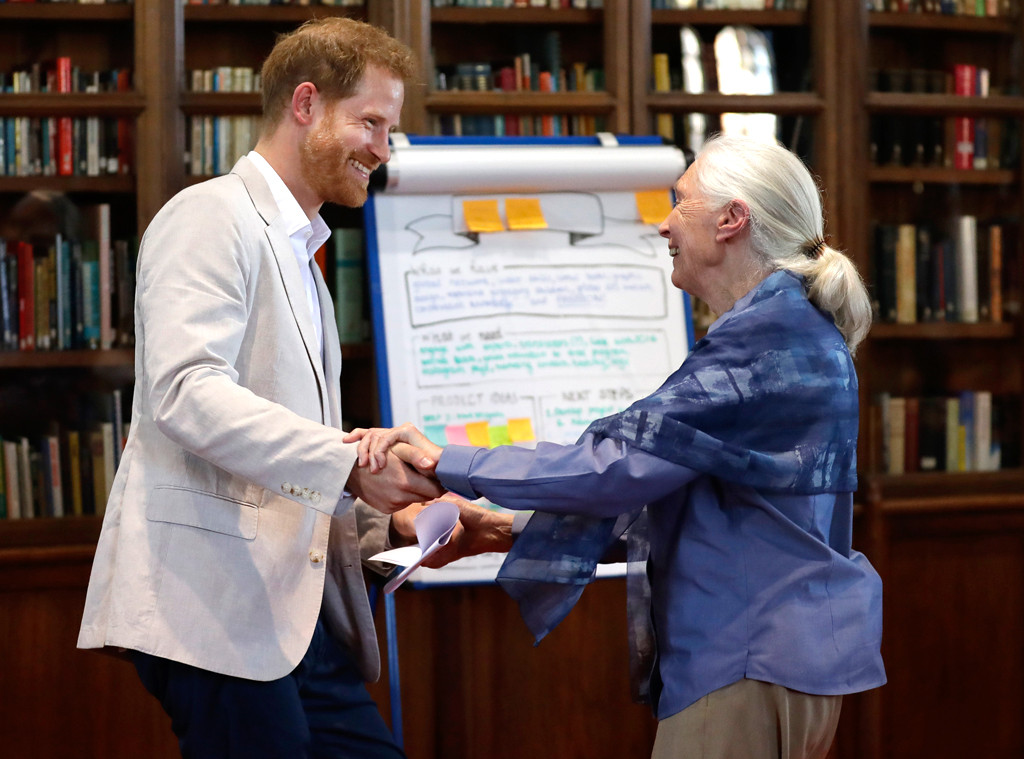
<point>316,557</point>
<point>286,487</point>
<point>306,493</point>
<point>316,496</point>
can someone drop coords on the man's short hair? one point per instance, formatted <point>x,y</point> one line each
<point>333,53</point>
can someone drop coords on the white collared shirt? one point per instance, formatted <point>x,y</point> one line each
<point>305,236</point>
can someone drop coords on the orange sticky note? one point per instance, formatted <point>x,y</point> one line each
<point>477,434</point>
<point>654,205</point>
<point>524,213</point>
<point>482,216</point>
<point>520,430</point>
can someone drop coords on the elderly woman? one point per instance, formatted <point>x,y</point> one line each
<point>742,467</point>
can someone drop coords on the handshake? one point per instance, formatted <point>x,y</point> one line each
<point>394,474</point>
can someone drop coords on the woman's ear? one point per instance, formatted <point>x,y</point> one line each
<point>734,219</point>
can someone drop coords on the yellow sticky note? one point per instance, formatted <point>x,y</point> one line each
<point>482,216</point>
<point>498,435</point>
<point>520,430</point>
<point>477,434</point>
<point>654,206</point>
<point>524,213</point>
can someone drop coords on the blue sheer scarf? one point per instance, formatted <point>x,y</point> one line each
<point>767,399</point>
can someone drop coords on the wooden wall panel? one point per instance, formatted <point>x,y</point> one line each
<point>60,701</point>
<point>954,648</point>
<point>474,685</point>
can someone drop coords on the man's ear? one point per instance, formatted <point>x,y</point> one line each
<point>732,220</point>
<point>304,97</point>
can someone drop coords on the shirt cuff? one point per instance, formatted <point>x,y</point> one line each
<point>519,520</point>
<point>453,469</point>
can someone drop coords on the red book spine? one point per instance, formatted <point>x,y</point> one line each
<point>65,128</point>
<point>26,297</point>
<point>964,78</point>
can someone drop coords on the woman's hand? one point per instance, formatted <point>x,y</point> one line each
<point>480,530</point>
<point>405,441</point>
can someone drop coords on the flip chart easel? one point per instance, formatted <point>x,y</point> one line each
<point>519,290</point>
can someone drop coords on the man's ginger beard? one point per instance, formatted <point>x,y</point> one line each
<point>325,166</point>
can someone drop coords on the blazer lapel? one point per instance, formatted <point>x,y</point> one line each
<point>288,268</point>
<point>332,349</point>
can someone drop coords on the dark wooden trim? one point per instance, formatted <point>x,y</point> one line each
<point>62,11</point>
<point>539,102</point>
<point>72,104</point>
<point>942,331</point>
<point>785,103</point>
<point>547,16</point>
<point>84,359</point>
<point>245,14</point>
<point>724,17</point>
<point>107,184</point>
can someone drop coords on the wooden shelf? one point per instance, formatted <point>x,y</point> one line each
<point>925,104</point>
<point>547,16</point>
<point>118,184</point>
<point>84,359</point>
<point>942,331</point>
<point>128,104</point>
<point>784,104</point>
<point>60,11</point>
<point>244,14</point>
<point>928,175</point>
<point>122,357</point>
<point>722,18</point>
<point>946,491</point>
<point>48,532</point>
<point>942,22</point>
<point>519,102</point>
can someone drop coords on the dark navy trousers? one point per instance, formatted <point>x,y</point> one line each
<point>321,709</point>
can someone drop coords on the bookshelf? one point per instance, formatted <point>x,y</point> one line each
<point>588,37</point>
<point>949,545</point>
<point>938,535</point>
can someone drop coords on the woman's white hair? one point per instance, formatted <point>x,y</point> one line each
<point>786,220</point>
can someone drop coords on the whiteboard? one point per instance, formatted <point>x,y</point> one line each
<point>517,336</point>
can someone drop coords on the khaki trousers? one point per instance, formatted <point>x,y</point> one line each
<point>750,719</point>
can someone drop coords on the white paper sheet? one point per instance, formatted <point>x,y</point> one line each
<point>434,527</point>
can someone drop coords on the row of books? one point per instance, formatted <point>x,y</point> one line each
<point>66,473</point>
<point>91,146</point>
<point>932,142</point>
<point>68,294</point>
<point>216,142</point>
<point>61,76</point>
<point>522,75</point>
<point>732,5</point>
<point>948,7</point>
<point>972,431</point>
<point>925,274</point>
<point>225,79</point>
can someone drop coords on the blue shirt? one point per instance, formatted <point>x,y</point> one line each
<point>743,584</point>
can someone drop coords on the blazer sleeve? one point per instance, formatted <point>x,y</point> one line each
<point>225,372</point>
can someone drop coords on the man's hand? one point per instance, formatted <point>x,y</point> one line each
<point>479,530</point>
<point>393,487</point>
<point>405,441</point>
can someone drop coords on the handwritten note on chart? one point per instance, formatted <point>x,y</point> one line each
<point>520,335</point>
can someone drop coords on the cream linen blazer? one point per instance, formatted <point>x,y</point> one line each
<point>227,526</point>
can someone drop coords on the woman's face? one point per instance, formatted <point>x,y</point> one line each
<point>691,229</point>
